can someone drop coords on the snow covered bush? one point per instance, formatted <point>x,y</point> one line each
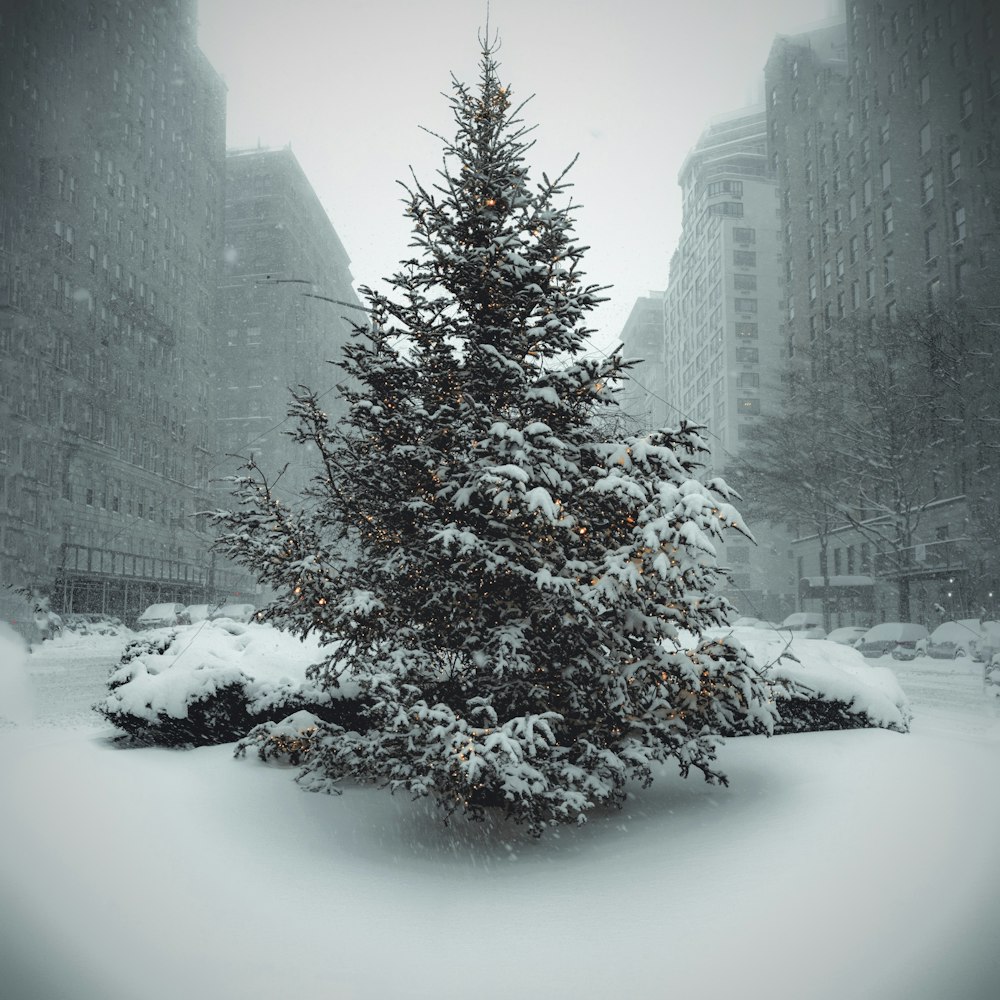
<point>818,685</point>
<point>504,582</point>
<point>212,682</point>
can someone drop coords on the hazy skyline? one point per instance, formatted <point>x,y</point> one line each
<point>629,86</point>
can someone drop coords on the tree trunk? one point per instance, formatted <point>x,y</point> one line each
<point>904,599</point>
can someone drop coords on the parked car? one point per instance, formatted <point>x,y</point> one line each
<point>238,612</point>
<point>989,638</point>
<point>808,622</point>
<point>89,624</point>
<point>987,649</point>
<point>848,635</point>
<point>200,612</point>
<point>955,639</point>
<point>884,638</point>
<point>162,616</point>
<point>746,622</point>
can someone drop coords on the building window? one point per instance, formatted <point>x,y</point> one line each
<point>746,305</point>
<point>966,102</point>
<point>813,291</point>
<point>869,237</point>
<point>855,295</point>
<point>852,250</point>
<point>930,243</point>
<point>852,206</point>
<point>725,187</point>
<point>866,193</point>
<point>887,220</point>
<point>958,217</point>
<point>886,174</point>
<point>840,263</point>
<point>925,139</point>
<point>747,331</point>
<point>745,282</point>
<point>731,208</point>
<point>933,293</point>
<point>890,312</point>
<point>827,274</point>
<point>955,166</point>
<point>888,268</point>
<point>748,380</point>
<point>748,407</point>
<point>870,283</point>
<point>742,235</point>
<point>927,186</point>
<point>883,132</point>
<point>744,258</point>
<point>925,88</point>
<point>962,269</point>
<point>747,355</point>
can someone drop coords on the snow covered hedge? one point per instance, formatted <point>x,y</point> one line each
<point>819,685</point>
<point>212,682</point>
<point>219,682</point>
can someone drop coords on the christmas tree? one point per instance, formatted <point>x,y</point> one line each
<point>521,601</point>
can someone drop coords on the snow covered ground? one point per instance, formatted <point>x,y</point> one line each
<point>862,865</point>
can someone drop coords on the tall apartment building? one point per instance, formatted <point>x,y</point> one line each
<point>283,264</point>
<point>641,399</point>
<point>884,135</point>
<point>112,152</point>
<point>724,317</point>
<point>722,308</point>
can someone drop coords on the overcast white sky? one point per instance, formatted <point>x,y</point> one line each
<point>627,84</point>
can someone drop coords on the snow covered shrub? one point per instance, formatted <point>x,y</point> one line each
<point>146,645</point>
<point>212,682</point>
<point>504,582</point>
<point>820,686</point>
<point>288,740</point>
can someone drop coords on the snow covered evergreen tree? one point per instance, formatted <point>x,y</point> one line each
<point>522,602</point>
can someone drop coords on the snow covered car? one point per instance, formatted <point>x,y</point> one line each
<point>884,638</point>
<point>806,623</point>
<point>162,616</point>
<point>238,612</point>
<point>983,648</point>
<point>954,639</point>
<point>988,648</point>
<point>848,635</point>
<point>200,612</point>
